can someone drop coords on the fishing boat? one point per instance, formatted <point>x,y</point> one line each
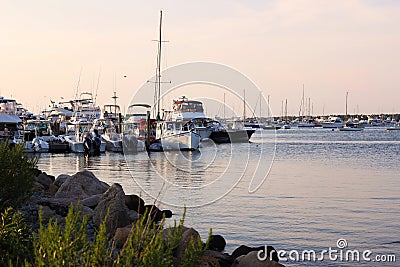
<point>174,135</point>
<point>232,132</point>
<point>76,136</point>
<point>134,132</point>
<point>37,136</point>
<point>185,110</point>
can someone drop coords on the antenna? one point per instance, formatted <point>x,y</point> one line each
<point>77,86</point>
<point>97,86</point>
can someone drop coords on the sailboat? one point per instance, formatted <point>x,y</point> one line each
<point>285,126</point>
<point>171,134</point>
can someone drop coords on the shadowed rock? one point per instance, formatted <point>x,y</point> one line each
<point>61,179</point>
<point>134,202</point>
<point>113,200</point>
<point>251,259</point>
<point>217,243</point>
<point>244,250</point>
<point>81,185</point>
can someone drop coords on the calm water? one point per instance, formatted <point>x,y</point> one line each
<point>322,185</point>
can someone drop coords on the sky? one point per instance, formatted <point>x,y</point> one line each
<point>330,47</point>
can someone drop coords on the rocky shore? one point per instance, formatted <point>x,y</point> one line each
<point>54,196</point>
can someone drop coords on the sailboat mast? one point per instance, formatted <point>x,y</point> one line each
<point>158,78</point>
<point>347,95</point>
<point>244,105</point>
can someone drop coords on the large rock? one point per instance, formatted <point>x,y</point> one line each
<point>112,201</point>
<point>217,243</point>
<point>45,179</point>
<point>251,259</point>
<point>81,185</point>
<point>207,261</point>
<point>189,234</point>
<point>224,259</point>
<point>121,235</point>
<point>61,179</point>
<point>134,202</point>
<point>244,250</point>
<point>92,201</point>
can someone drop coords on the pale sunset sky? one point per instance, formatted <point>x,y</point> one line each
<point>329,46</point>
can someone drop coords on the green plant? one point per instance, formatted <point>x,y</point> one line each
<point>68,245</point>
<point>62,246</point>
<point>15,239</point>
<point>17,175</point>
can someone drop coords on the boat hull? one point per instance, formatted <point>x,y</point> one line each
<point>231,136</point>
<point>182,141</point>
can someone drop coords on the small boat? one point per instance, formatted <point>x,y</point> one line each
<point>231,133</point>
<point>37,136</point>
<point>393,128</point>
<point>78,130</point>
<point>350,129</point>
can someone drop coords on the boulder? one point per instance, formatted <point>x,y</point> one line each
<point>244,250</point>
<point>133,215</point>
<point>112,201</point>
<point>44,179</point>
<point>224,259</point>
<point>167,213</point>
<point>52,190</point>
<point>61,179</point>
<point>81,185</point>
<point>121,235</point>
<point>188,235</point>
<point>59,205</point>
<point>251,259</point>
<point>39,188</point>
<point>217,243</point>
<point>156,214</point>
<point>207,261</point>
<point>134,202</point>
<point>92,201</point>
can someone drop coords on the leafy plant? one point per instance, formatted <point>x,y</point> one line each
<point>15,238</point>
<point>17,175</point>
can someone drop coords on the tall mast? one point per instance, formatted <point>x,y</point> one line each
<point>244,105</point>
<point>224,106</point>
<point>347,95</point>
<point>158,76</point>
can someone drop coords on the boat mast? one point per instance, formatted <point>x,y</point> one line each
<point>244,105</point>
<point>158,76</point>
<point>347,95</point>
<point>224,106</point>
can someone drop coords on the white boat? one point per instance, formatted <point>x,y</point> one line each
<point>134,128</point>
<point>77,135</point>
<point>37,136</point>
<point>175,135</point>
<point>333,122</point>
<point>184,110</point>
<point>112,139</point>
<point>10,123</point>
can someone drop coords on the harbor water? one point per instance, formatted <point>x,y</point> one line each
<point>296,189</point>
